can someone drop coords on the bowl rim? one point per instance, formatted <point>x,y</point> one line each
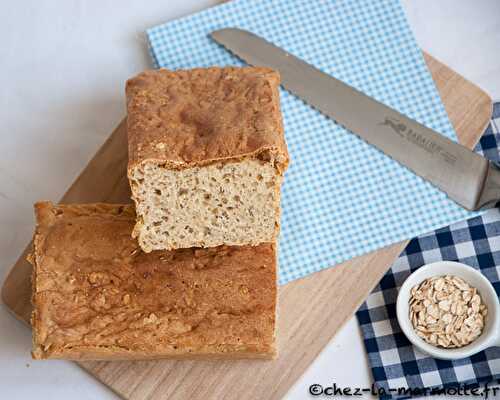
<point>433,269</point>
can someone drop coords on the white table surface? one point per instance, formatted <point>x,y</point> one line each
<point>62,71</point>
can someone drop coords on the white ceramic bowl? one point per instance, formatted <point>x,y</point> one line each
<point>491,333</point>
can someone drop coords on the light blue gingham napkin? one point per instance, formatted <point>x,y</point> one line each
<point>341,197</point>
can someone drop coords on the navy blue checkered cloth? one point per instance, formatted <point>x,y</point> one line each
<point>394,361</point>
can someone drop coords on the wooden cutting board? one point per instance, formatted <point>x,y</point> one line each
<point>312,309</point>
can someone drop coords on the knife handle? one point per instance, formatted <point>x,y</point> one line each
<point>490,195</point>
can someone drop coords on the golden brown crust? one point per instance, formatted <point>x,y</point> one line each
<point>196,117</point>
<point>98,296</point>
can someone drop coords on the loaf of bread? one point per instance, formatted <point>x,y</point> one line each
<point>206,156</point>
<point>96,295</point>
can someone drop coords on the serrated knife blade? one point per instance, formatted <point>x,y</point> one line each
<point>466,177</point>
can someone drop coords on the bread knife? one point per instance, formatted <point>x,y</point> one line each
<point>467,178</point>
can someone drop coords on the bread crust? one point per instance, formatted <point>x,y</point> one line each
<point>97,296</point>
<point>186,118</point>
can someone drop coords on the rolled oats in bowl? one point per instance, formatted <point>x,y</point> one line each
<point>446,311</point>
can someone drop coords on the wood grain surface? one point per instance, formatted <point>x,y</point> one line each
<point>312,309</point>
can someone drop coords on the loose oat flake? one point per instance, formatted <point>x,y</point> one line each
<point>447,312</point>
